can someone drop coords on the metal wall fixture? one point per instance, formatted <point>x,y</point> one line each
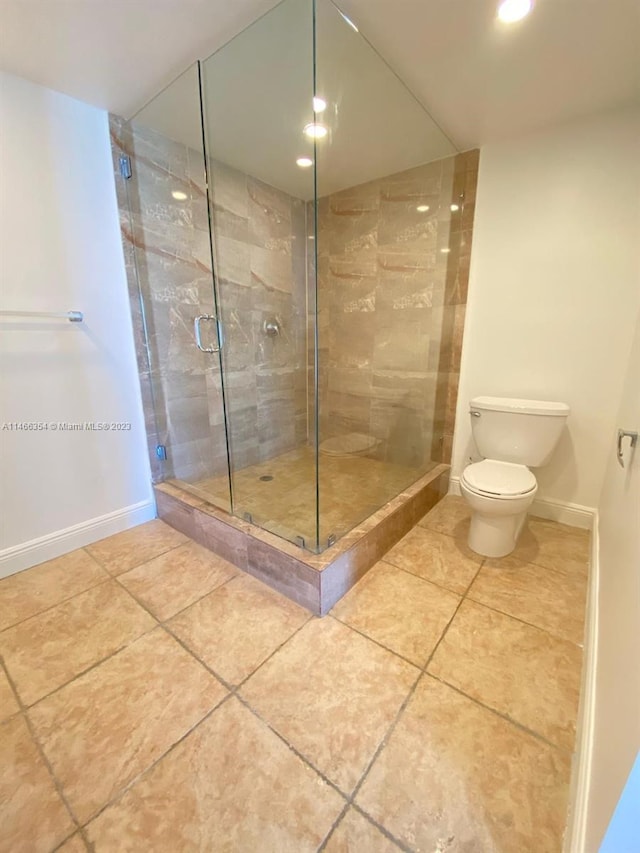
<point>196,328</point>
<point>633,440</point>
<point>71,316</point>
<point>271,327</point>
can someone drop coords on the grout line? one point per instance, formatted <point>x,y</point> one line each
<point>382,828</point>
<point>502,716</point>
<point>522,621</point>
<point>448,625</point>
<point>94,665</point>
<point>381,746</point>
<point>235,576</point>
<point>373,640</point>
<point>333,827</point>
<point>292,748</point>
<point>275,651</point>
<point>473,699</point>
<point>77,833</point>
<point>43,755</point>
<point>122,791</point>
<point>58,603</point>
<point>422,577</point>
<point>527,563</point>
<point>144,562</point>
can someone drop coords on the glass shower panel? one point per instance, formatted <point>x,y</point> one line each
<point>258,99</point>
<point>170,232</point>
<point>384,184</point>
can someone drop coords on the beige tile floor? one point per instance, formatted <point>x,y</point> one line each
<point>154,698</point>
<point>351,488</point>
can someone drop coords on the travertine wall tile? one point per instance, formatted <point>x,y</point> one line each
<point>259,262</point>
<point>393,270</point>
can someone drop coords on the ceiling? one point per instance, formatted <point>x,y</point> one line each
<point>258,94</point>
<point>482,81</point>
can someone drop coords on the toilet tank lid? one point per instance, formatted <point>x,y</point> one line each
<point>525,407</point>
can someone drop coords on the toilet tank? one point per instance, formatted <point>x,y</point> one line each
<point>525,432</point>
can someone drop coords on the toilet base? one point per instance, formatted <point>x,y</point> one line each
<point>495,535</point>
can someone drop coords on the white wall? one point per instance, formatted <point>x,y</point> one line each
<point>554,288</point>
<point>616,732</point>
<point>60,249</point>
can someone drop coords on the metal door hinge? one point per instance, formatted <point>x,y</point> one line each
<point>161,451</point>
<point>125,166</point>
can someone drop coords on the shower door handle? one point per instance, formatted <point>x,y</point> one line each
<point>196,329</point>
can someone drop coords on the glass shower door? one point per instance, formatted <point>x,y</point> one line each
<point>169,232</point>
<point>258,100</point>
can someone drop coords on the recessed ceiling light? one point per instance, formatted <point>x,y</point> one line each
<point>510,11</point>
<point>349,21</point>
<point>445,251</point>
<point>319,104</point>
<point>179,195</point>
<point>455,207</point>
<point>422,208</point>
<point>304,162</point>
<point>315,131</point>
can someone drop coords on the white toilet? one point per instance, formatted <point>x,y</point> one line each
<point>511,434</point>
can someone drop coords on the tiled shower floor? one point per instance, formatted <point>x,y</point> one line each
<point>351,488</point>
<point>156,699</point>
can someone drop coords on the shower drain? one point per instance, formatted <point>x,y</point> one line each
<point>266,478</point>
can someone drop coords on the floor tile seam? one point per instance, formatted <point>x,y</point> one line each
<point>232,688</point>
<point>88,669</point>
<point>385,738</point>
<point>122,791</point>
<point>520,726</point>
<point>162,621</point>
<point>4,669</point>
<point>114,575</point>
<point>567,573</point>
<point>555,636</point>
<point>380,827</point>
<point>305,760</point>
<point>383,829</point>
<point>75,832</point>
<point>435,530</point>
<point>373,640</point>
<point>449,623</point>
<point>275,651</point>
<point>189,541</point>
<point>164,625</point>
<point>333,827</point>
<point>57,604</point>
<point>421,577</point>
<point>43,756</point>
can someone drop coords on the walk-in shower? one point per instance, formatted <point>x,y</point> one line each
<point>297,234</point>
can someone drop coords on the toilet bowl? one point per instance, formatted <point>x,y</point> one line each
<point>511,434</point>
<point>499,495</point>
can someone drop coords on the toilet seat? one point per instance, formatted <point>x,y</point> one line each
<point>499,479</point>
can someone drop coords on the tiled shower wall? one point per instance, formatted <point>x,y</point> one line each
<point>260,264</point>
<point>392,288</point>
<point>392,294</point>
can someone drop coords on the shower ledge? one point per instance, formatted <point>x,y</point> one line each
<point>316,581</point>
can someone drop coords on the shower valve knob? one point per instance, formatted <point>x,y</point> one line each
<point>271,328</point>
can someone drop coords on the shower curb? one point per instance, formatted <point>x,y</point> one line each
<point>315,581</point>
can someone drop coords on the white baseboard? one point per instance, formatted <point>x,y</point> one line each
<point>581,776</point>
<point>575,515</point>
<point>53,545</point>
